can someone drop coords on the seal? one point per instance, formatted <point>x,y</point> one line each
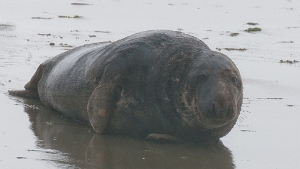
<point>154,84</point>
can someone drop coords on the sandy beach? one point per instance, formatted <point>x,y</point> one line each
<point>265,136</point>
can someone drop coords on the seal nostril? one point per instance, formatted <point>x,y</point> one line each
<point>213,108</point>
<point>230,112</point>
<point>220,110</point>
<point>215,113</point>
<point>212,111</point>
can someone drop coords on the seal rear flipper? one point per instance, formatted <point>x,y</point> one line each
<point>33,83</point>
<point>25,93</point>
<point>31,87</point>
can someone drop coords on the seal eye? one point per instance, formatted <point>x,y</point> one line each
<point>234,80</point>
<point>202,78</point>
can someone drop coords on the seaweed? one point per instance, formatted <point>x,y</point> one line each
<point>75,16</point>
<point>234,34</point>
<point>238,49</point>
<point>256,29</point>
<point>251,23</point>
<point>289,61</point>
<point>6,27</point>
<point>40,18</point>
<point>79,4</point>
<point>103,31</point>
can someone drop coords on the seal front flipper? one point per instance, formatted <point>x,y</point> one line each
<point>31,87</point>
<point>103,101</point>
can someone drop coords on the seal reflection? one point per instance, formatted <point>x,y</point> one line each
<point>77,145</point>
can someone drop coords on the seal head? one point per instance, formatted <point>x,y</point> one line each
<point>211,95</point>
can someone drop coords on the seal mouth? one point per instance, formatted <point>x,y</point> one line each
<point>200,123</point>
<point>213,123</point>
<point>203,117</point>
<point>207,120</point>
<point>218,119</point>
<point>196,119</point>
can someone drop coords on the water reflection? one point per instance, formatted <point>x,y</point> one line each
<point>71,144</point>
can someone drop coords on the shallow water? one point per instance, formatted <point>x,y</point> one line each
<point>266,135</point>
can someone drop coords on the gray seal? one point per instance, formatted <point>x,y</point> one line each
<point>154,84</point>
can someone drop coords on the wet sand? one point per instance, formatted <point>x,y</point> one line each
<point>266,135</point>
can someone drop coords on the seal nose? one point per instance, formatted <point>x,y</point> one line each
<point>220,109</point>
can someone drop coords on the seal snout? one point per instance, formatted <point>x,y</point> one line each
<point>221,110</point>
